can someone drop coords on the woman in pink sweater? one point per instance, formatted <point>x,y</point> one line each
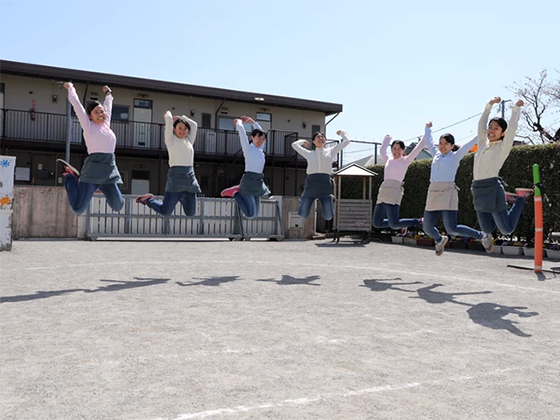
<point>99,170</point>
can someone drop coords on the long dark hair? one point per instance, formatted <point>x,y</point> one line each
<point>400,143</point>
<point>318,133</point>
<point>256,133</point>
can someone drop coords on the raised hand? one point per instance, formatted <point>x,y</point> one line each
<point>105,88</point>
<point>429,124</point>
<point>495,100</point>
<point>68,85</point>
<point>235,122</point>
<point>247,119</point>
<point>519,103</point>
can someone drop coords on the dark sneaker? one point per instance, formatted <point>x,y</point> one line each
<point>69,168</point>
<point>440,246</point>
<point>523,192</point>
<point>487,242</point>
<point>228,192</point>
<point>143,199</point>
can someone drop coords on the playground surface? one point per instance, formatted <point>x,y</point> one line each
<point>213,329</point>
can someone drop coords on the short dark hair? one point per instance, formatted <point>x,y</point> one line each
<point>400,143</point>
<point>181,120</point>
<point>257,132</point>
<point>318,133</point>
<point>91,106</point>
<point>501,122</point>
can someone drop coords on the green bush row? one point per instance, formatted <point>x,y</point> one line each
<point>516,172</point>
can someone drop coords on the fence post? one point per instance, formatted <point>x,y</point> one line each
<point>538,220</point>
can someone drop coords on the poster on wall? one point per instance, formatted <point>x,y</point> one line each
<point>7,165</point>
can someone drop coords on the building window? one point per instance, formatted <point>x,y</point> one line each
<point>206,120</point>
<point>120,113</point>
<point>315,129</point>
<point>143,103</point>
<point>261,116</point>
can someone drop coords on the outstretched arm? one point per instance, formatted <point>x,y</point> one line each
<point>384,145</point>
<point>464,149</point>
<point>300,146</point>
<point>416,151</point>
<point>242,134</point>
<point>512,126</point>
<point>78,107</point>
<point>345,142</point>
<point>108,103</point>
<point>483,122</point>
<point>168,132</point>
<point>191,137</point>
<point>429,139</point>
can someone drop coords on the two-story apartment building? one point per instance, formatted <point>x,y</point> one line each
<point>34,127</point>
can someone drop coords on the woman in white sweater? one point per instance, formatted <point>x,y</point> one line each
<point>182,185</point>
<point>319,184</point>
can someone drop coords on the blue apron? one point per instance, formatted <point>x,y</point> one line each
<point>252,183</point>
<point>100,168</point>
<point>489,195</point>
<point>318,186</point>
<point>182,179</point>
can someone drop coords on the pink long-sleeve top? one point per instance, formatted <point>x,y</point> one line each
<point>396,168</point>
<point>99,137</point>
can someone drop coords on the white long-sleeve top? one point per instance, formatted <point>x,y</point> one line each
<point>490,156</point>
<point>396,168</point>
<point>444,167</point>
<point>319,161</point>
<point>99,138</point>
<point>254,156</point>
<point>181,151</point>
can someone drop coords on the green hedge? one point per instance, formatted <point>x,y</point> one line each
<point>516,172</point>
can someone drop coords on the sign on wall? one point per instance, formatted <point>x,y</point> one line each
<point>7,167</point>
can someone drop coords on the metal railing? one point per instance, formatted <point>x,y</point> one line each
<point>48,127</point>
<point>214,218</point>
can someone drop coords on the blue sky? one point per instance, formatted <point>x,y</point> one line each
<point>392,64</point>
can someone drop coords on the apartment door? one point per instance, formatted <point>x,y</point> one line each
<point>142,122</point>
<point>1,108</point>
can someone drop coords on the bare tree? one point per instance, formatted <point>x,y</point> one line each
<point>542,99</point>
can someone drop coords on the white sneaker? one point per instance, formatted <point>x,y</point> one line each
<point>440,246</point>
<point>67,165</point>
<point>487,242</point>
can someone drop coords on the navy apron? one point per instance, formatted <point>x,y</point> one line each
<point>100,168</point>
<point>182,179</point>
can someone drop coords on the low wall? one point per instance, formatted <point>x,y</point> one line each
<point>42,212</point>
<point>307,230</point>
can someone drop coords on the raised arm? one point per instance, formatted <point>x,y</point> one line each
<point>416,151</point>
<point>512,127</point>
<point>299,147</point>
<point>108,103</point>
<point>242,134</point>
<point>429,139</point>
<point>483,122</point>
<point>78,107</point>
<point>464,149</point>
<point>168,132</point>
<point>345,142</point>
<point>384,145</point>
<point>191,137</point>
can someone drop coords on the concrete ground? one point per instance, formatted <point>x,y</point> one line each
<point>274,330</point>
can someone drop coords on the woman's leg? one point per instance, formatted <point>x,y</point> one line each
<point>430,220</point>
<point>113,195</point>
<point>452,228</point>
<point>165,208</point>
<point>79,193</point>
<point>394,221</point>
<point>507,220</point>
<point>305,206</point>
<point>328,207</point>
<point>247,204</point>
<point>189,203</point>
<point>379,212</point>
<point>486,222</point>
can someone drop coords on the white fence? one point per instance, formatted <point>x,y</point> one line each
<point>214,218</point>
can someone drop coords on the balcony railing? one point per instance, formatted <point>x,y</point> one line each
<point>47,127</point>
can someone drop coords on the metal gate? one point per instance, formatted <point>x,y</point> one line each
<point>214,218</point>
